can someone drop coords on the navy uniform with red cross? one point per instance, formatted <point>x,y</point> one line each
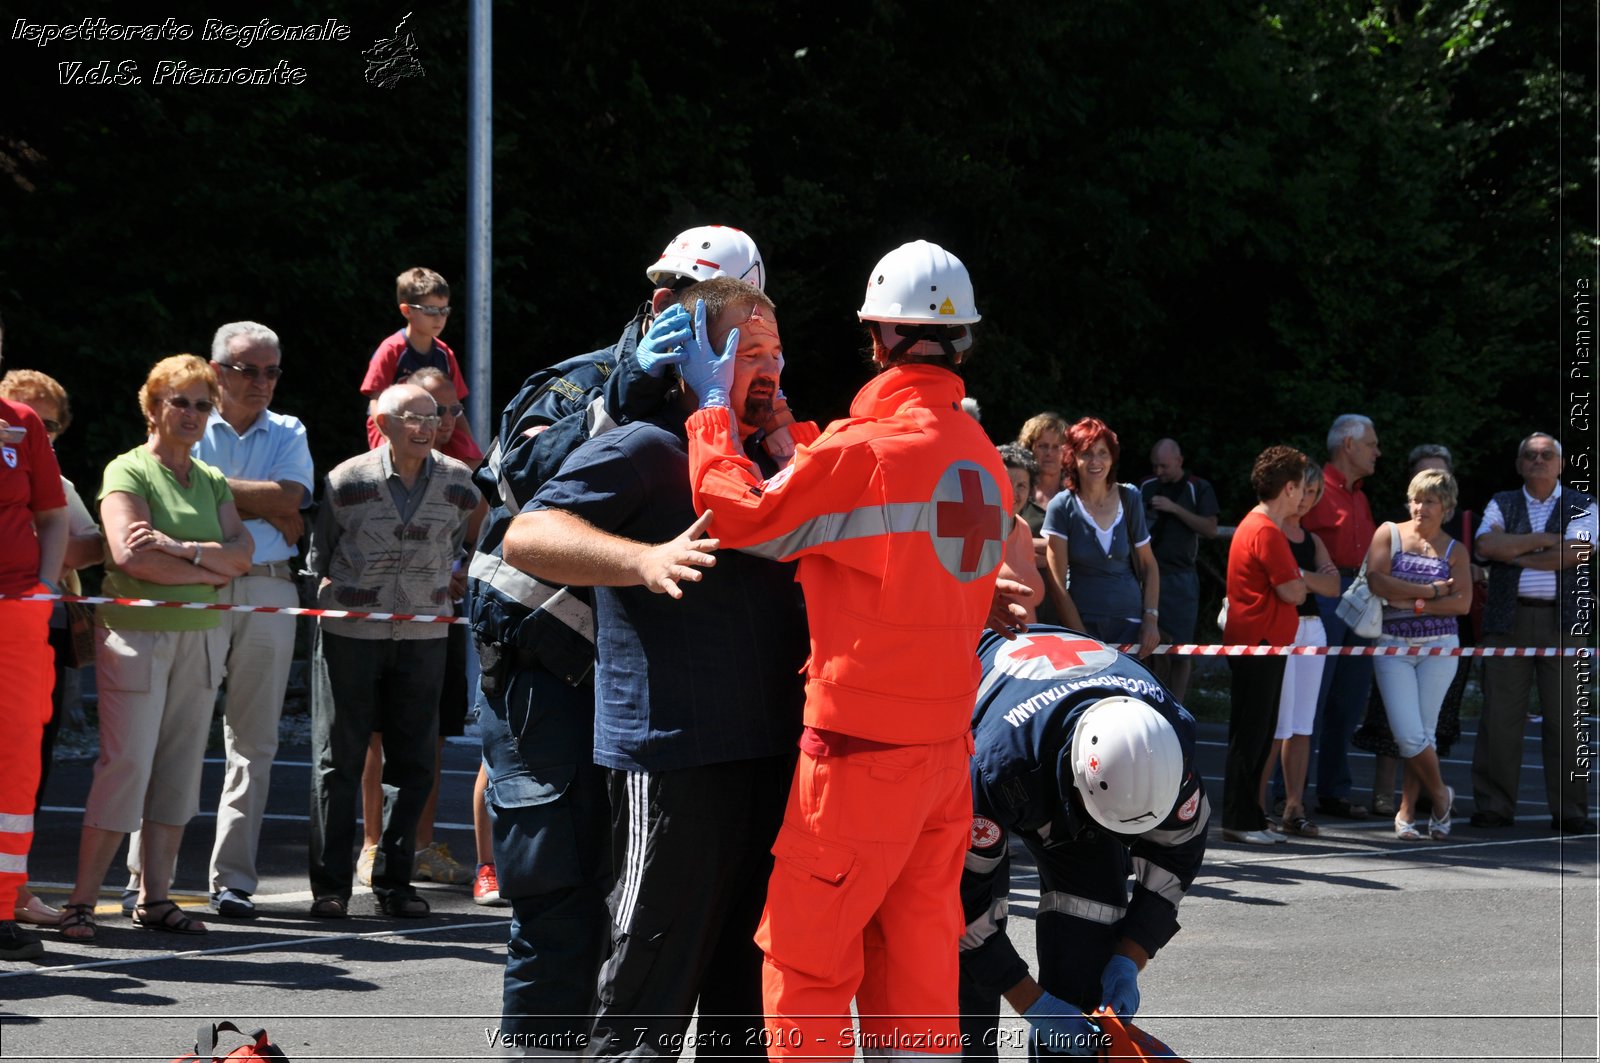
<point>1035,691</point>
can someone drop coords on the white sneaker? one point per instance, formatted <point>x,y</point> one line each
<point>1252,837</point>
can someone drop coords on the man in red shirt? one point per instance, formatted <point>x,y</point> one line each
<point>1344,521</point>
<point>33,545</point>
<point>897,516</point>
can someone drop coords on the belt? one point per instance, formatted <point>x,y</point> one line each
<point>1537,603</point>
<point>1349,573</point>
<point>275,569</point>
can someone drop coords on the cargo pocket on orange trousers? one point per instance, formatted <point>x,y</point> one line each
<point>809,895</point>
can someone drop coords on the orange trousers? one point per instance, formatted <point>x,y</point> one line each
<point>865,903</point>
<point>27,674</point>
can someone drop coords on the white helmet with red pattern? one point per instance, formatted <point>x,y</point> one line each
<point>1127,764</point>
<point>708,251</point>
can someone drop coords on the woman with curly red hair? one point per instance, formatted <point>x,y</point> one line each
<point>1103,576</point>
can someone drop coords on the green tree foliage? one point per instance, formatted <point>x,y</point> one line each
<point>1227,222</point>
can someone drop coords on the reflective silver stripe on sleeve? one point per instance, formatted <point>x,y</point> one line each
<point>13,863</point>
<point>1081,908</point>
<point>1158,880</point>
<point>982,865</point>
<point>962,518</point>
<point>598,418</point>
<point>892,517</point>
<point>1175,838</point>
<point>986,926</point>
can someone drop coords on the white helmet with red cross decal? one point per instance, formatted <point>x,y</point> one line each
<point>1127,764</point>
<point>708,251</point>
<point>919,298</point>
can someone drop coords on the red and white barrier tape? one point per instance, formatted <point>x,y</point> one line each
<point>1190,650</point>
<point>1178,649</point>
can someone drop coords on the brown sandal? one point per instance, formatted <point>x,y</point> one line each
<point>1301,827</point>
<point>77,917</point>
<point>172,920</point>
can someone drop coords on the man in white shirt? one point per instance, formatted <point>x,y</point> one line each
<point>268,465</point>
<point>1537,541</point>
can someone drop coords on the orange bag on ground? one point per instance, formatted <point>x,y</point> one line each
<point>1129,1042</point>
<point>261,1048</point>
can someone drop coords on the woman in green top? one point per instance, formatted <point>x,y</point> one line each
<point>172,533</point>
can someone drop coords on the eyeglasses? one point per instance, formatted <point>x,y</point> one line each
<point>430,311</point>
<point>52,428</point>
<point>181,403</point>
<point>454,411</point>
<point>1538,455</point>
<point>252,374</point>
<point>417,420</point>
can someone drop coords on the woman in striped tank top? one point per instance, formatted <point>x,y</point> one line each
<point>1427,583</point>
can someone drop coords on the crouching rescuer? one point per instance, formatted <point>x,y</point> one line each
<point>1087,759</point>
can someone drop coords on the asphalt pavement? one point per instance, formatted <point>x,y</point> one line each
<point>1349,946</point>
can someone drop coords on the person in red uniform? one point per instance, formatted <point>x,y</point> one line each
<point>897,516</point>
<point>33,545</point>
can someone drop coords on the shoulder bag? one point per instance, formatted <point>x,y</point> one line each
<point>1358,607</point>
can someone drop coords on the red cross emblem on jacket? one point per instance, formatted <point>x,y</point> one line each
<point>968,523</point>
<point>1047,656</point>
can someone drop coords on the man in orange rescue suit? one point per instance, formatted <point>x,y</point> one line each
<point>897,516</point>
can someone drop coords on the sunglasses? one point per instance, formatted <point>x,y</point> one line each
<point>181,403</point>
<point>454,411</point>
<point>252,374</point>
<point>52,428</point>
<point>417,420</point>
<point>430,311</point>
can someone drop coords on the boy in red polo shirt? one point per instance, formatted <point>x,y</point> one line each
<point>424,301</point>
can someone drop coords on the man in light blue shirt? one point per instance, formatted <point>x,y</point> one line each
<point>268,465</point>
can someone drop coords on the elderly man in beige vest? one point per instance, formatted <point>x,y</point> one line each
<point>392,522</point>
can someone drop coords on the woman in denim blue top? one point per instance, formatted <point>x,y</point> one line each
<point>1103,577</point>
<point>1427,583</point>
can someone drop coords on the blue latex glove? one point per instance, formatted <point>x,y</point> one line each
<point>1062,1028</point>
<point>710,374</point>
<point>664,341</point>
<point>1119,987</point>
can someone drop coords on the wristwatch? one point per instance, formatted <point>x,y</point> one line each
<point>1153,613</point>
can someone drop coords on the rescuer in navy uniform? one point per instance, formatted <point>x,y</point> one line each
<point>1088,759</point>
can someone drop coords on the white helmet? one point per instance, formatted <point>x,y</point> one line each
<point>919,283</point>
<point>1127,764</point>
<point>708,251</point>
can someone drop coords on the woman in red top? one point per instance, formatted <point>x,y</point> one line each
<point>1264,586</point>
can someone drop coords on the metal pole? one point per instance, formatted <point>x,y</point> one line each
<point>480,218</point>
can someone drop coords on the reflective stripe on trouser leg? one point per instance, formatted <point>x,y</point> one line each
<point>28,666</point>
<point>884,843</point>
